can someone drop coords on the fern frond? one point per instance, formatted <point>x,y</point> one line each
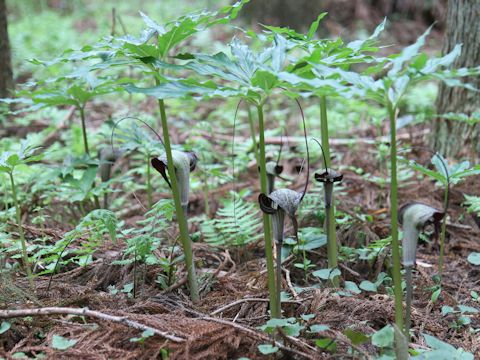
<point>233,225</point>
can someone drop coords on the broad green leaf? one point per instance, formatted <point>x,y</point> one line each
<point>13,160</point>
<point>384,337</point>
<point>319,328</point>
<point>437,344</point>
<point>352,287</point>
<point>61,343</point>
<point>474,258</point>
<point>368,286</point>
<point>88,178</point>
<point>447,310</point>
<point>436,295</point>
<point>266,349</point>
<point>356,337</point>
<point>4,326</point>
<point>327,344</point>
<point>264,80</point>
<point>467,309</point>
<point>327,274</point>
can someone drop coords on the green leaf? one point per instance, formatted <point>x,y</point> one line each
<point>467,309</point>
<point>368,286</point>
<point>384,337</point>
<point>185,89</point>
<point>437,344</point>
<point>266,349</point>
<point>435,295</point>
<point>352,287</point>
<point>4,326</point>
<point>408,53</point>
<point>306,317</point>
<point>327,344</point>
<point>314,26</point>
<point>447,310</point>
<point>61,343</point>
<point>474,258</point>
<point>13,160</point>
<point>432,65</point>
<point>356,337</point>
<point>327,274</point>
<point>264,80</point>
<point>319,328</point>
<point>430,173</point>
<point>152,24</point>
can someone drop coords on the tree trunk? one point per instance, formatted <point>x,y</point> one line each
<point>455,138</point>
<point>6,75</point>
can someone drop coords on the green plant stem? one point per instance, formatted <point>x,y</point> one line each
<point>182,221</point>
<point>408,302</point>
<point>324,130</point>
<point>274,305</point>
<point>81,109</point>
<point>278,284</point>
<point>397,277</point>
<point>18,212</point>
<point>149,182</point>
<point>443,232</point>
<point>332,251</point>
<point>253,132</point>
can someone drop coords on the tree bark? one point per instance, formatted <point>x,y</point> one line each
<point>455,138</point>
<point>6,74</point>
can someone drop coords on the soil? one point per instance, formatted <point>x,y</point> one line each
<point>234,297</point>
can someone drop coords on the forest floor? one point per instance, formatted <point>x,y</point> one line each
<point>234,295</point>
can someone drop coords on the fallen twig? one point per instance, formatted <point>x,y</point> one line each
<point>241,301</point>
<point>5,314</point>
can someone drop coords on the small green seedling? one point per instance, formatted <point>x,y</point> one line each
<point>8,162</point>
<point>414,217</point>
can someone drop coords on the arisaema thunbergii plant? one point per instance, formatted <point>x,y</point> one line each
<point>447,175</point>
<point>8,162</point>
<point>279,203</point>
<point>150,51</point>
<point>401,71</point>
<point>414,217</point>
<point>75,89</point>
<point>302,77</point>
<point>329,177</point>
<point>247,75</point>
